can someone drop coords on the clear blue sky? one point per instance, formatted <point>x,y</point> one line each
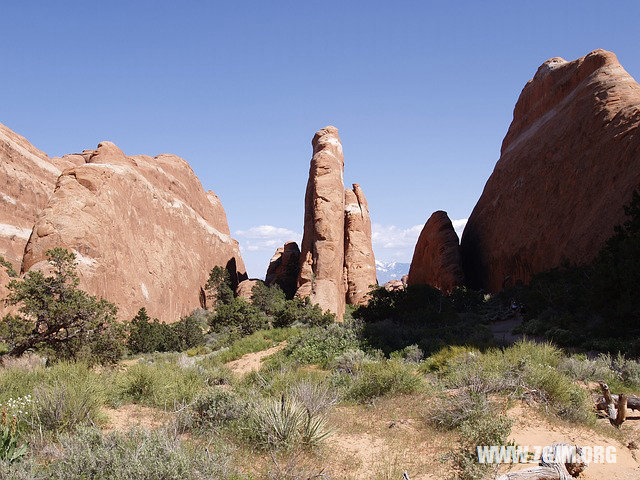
<point>422,92</point>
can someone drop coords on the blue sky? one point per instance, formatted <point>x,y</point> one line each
<point>422,92</point>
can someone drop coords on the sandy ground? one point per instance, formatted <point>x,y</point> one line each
<point>127,417</point>
<point>251,362</point>
<point>531,428</point>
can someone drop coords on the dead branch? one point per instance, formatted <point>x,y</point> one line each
<point>551,470</point>
<point>615,405</point>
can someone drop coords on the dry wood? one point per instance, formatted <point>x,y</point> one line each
<point>615,405</point>
<point>551,470</point>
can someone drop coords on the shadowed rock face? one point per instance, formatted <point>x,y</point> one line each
<point>321,275</point>
<point>569,162</point>
<point>436,258</point>
<point>145,232</point>
<point>284,268</point>
<point>359,261</point>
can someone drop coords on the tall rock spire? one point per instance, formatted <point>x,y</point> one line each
<point>322,253</point>
<point>359,261</point>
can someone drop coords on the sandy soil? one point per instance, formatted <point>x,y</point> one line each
<point>127,417</point>
<point>531,428</point>
<point>252,361</point>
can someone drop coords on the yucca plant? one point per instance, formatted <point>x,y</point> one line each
<point>286,423</point>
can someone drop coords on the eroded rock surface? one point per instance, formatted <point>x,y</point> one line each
<point>359,260</point>
<point>568,164</point>
<point>321,275</point>
<point>245,288</point>
<point>436,258</point>
<point>145,232</point>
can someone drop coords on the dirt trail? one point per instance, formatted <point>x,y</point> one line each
<point>251,362</point>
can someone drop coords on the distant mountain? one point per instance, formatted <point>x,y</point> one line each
<point>390,271</point>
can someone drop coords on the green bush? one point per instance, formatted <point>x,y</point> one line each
<point>65,396</point>
<point>388,377</point>
<point>70,323</point>
<point>299,311</point>
<point>238,316</point>
<point>214,409</point>
<point>161,384</point>
<point>320,345</point>
<point>136,455</point>
<point>148,336</point>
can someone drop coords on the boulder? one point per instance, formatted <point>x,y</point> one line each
<point>144,231</point>
<point>569,163</point>
<point>245,288</point>
<point>284,268</point>
<point>321,275</point>
<point>359,261</point>
<point>436,258</point>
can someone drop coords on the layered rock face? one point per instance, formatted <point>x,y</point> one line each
<point>284,268</point>
<point>568,164</point>
<point>436,258</point>
<point>27,178</point>
<point>322,253</point>
<point>359,261</point>
<point>144,231</point>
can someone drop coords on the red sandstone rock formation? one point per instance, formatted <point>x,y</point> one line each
<point>284,268</point>
<point>27,178</point>
<point>359,261</point>
<point>245,288</point>
<point>322,255</point>
<point>436,258</point>
<point>144,231</point>
<point>569,162</point>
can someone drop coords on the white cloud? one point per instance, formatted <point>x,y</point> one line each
<point>391,236</point>
<point>458,226</point>
<point>393,243</point>
<point>265,237</point>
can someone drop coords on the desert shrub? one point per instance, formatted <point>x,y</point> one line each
<point>136,455</point>
<point>269,299</point>
<point>525,370</point>
<point>412,354</point>
<point>284,424</point>
<point>162,384</point>
<point>442,359</point>
<point>69,321</point>
<point>299,311</point>
<point>147,336</point>
<point>239,317</point>
<point>8,266</point>
<point>65,396</point>
<point>213,409</point>
<point>320,345</point>
<point>388,377</point>
<point>477,420</point>
<point>349,361</point>
<point>316,397</point>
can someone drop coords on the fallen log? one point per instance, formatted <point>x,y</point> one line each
<point>551,470</point>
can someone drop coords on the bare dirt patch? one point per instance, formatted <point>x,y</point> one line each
<point>127,417</point>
